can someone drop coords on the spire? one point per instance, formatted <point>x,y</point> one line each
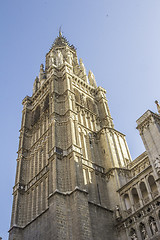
<point>60,32</point>
<point>62,41</point>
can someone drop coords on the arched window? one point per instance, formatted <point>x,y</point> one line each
<point>143,231</point>
<point>153,225</point>
<point>152,183</point>
<point>143,190</point>
<point>135,195</point>
<point>127,202</point>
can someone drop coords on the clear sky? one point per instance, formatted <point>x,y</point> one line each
<point>119,40</point>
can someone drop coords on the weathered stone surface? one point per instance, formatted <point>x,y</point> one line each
<point>75,179</point>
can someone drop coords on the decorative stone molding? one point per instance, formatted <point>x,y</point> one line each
<point>157,164</point>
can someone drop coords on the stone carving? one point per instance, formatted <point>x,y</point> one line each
<point>82,98</point>
<point>91,78</point>
<point>134,236</point>
<point>153,226</point>
<point>59,58</point>
<point>158,106</point>
<point>117,213</point>
<point>144,232</point>
<point>82,67</point>
<point>69,56</point>
<point>51,58</point>
<point>36,85</point>
<point>157,164</point>
<point>41,74</point>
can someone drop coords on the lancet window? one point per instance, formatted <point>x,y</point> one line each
<point>143,190</point>
<point>135,195</point>
<point>127,202</point>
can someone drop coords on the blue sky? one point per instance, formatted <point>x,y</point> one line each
<point>119,40</point>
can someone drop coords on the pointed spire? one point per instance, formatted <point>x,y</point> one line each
<point>61,41</point>
<point>41,73</point>
<point>36,85</point>
<point>92,79</point>
<point>60,32</point>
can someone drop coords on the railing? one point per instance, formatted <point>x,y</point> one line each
<point>137,206</point>
<point>146,200</point>
<point>128,211</point>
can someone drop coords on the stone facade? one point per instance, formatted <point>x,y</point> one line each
<point>75,179</point>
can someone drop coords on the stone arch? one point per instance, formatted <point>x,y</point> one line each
<point>127,202</point>
<point>143,190</point>
<point>135,195</point>
<point>152,183</point>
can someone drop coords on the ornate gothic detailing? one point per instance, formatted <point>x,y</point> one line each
<point>93,165</point>
<point>144,125</point>
<point>92,80</point>
<point>133,234</point>
<point>109,174</point>
<point>36,85</point>
<point>82,67</point>
<point>123,172</point>
<point>157,164</point>
<point>147,119</point>
<point>73,167</point>
<point>62,41</point>
<point>143,221</point>
<point>142,158</point>
<point>59,58</point>
<point>143,231</point>
<point>158,106</point>
<point>118,215</point>
<point>153,225</point>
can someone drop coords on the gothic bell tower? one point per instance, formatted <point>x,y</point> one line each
<point>67,145</point>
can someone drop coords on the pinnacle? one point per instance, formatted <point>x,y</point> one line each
<point>62,41</point>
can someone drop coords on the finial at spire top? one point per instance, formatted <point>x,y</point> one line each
<point>158,106</point>
<point>60,32</point>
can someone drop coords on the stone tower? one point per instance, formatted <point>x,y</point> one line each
<point>68,149</point>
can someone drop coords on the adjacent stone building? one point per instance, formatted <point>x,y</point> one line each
<point>75,179</point>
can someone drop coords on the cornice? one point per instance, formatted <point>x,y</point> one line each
<point>146,119</point>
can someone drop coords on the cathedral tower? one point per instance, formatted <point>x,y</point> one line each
<point>68,149</point>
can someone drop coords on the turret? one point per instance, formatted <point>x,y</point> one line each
<point>36,85</point>
<point>149,127</point>
<point>41,74</point>
<point>92,79</point>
